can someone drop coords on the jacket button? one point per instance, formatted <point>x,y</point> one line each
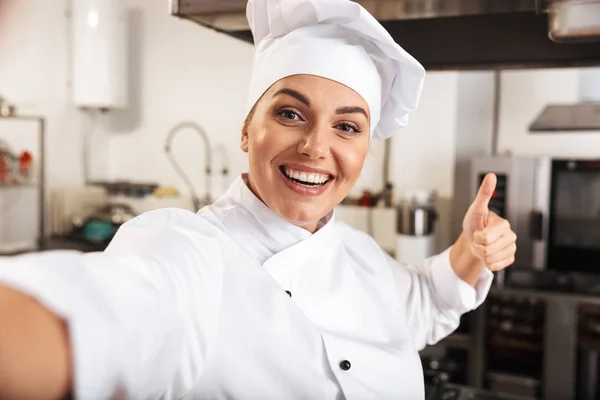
<point>289,293</point>
<point>345,365</point>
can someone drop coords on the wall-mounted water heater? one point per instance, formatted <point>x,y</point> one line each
<point>100,56</point>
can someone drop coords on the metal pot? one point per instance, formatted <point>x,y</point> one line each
<point>416,213</point>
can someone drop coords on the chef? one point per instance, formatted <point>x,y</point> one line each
<point>261,295</point>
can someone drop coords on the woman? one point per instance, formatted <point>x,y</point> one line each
<point>261,295</point>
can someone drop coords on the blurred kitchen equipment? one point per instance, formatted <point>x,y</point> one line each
<point>450,367</point>
<point>415,229</point>
<point>450,391</point>
<point>116,213</point>
<point>86,218</point>
<point>118,190</point>
<point>102,225</point>
<point>144,196</point>
<point>553,205</point>
<point>74,203</point>
<point>98,231</point>
<point>7,109</point>
<point>367,199</point>
<point>588,370</point>
<point>15,168</point>
<point>378,222</point>
<point>574,20</point>
<point>508,384</point>
<point>99,53</point>
<point>198,203</point>
<point>515,344</point>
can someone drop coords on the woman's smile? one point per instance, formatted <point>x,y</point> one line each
<point>304,180</point>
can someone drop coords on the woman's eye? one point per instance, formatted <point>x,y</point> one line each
<point>291,115</point>
<point>347,128</point>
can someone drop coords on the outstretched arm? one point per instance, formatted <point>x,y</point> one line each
<point>34,347</point>
<point>118,324</point>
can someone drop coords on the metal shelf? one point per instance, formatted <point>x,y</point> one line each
<point>40,185</point>
<point>4,186</point>
<point>17,252</point>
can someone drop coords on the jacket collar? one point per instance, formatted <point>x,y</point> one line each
<point>257,228</point>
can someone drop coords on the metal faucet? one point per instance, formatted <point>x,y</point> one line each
<point>197,202</point>
<point>220,149</point>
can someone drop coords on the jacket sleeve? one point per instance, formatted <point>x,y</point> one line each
<point>128,309</point>
<point>432,297</point>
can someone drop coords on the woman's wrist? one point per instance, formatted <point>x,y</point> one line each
<point>465,264</point>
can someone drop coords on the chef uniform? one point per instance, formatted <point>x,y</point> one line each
<point>234,302</point>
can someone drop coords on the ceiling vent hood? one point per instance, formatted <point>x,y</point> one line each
<point>456,34</point>
<point>581,116</point>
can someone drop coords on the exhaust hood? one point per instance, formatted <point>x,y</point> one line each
<point>456,34</point>
<point>581,116</point>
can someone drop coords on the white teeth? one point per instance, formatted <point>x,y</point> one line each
<point>306,177</point>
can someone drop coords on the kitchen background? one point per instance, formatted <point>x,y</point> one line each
<point>179,71</point>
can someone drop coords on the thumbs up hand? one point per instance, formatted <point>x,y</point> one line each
<point>487,239</point>
<point>491,238</point>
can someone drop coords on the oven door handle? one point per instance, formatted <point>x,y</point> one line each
<point>536,225</point>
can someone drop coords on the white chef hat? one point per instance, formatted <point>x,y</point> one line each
<point>341,41</point>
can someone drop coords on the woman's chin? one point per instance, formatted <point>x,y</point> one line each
<point>301,219</point>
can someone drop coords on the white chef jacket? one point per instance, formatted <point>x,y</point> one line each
<point>236,303</point>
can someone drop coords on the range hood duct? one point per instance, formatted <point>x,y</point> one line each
<point>230,15</point>
<point>574,21</point>
<point>581,116</point>
<point>456,34</point>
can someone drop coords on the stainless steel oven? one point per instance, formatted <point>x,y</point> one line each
<point>552,204</point>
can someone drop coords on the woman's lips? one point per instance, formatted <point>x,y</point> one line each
<point>304,190</point>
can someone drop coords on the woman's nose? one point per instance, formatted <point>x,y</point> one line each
<point>314,144</point>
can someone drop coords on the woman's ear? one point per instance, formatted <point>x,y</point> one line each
<point>244,140</point>
<point>246,128</point>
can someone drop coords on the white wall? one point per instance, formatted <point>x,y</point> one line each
<point>180,72</point>
<point>422,156</point>
<point>474,124</point>
<point>34,74</point>
<point>422,153</point>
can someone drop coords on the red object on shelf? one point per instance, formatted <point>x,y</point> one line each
<point>3,170</point>
<point>25,161</point>
<point>4,167</point>
<point>366,200</point>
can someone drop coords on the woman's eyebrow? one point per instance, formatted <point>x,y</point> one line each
<point>351,110</point>
<point>304,100</point>
<point>295,94</point>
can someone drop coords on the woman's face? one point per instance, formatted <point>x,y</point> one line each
<point>306,139</point>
